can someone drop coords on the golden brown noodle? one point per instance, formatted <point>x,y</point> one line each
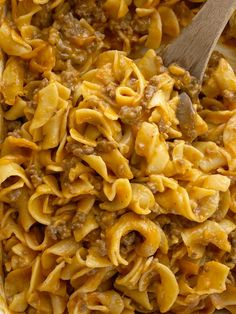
<point>117,193</point>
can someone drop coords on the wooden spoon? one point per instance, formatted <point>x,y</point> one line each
<point>192,51</point>
<point>193,48</point>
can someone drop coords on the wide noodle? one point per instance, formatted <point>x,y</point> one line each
<point>117,191</point>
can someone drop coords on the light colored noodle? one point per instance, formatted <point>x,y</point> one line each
<point>114,196</point>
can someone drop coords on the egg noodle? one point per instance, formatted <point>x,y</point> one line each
<point>117,174</point>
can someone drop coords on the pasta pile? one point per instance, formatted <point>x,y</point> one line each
<point>117,174</point>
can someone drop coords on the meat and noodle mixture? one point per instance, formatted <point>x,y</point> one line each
<point>118,174</point>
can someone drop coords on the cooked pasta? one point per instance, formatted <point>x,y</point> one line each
<point>117,174</point>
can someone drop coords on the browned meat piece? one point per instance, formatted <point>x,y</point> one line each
<point>128,243</point>
<point>105,219</point>
<point>35,174</point>
<point>78,149</point>
<point>130,115</point>
<point>70,78</point>
<point>90,10</point>
<point>141,24</point>
<point>111,90</point>
<point>150,91</point>
<point>70,26</point>
<point>60,231</point>
<point>152,86</point>
<point>43,18</point>
<point>78,220</point>
<point>105,146</point>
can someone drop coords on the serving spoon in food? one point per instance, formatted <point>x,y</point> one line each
<point>193,48</point>
<point>192,51</point>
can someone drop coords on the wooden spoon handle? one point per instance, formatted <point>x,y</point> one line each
<point>193,48</point>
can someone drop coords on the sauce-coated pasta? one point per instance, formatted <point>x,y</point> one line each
<point>117,190</point>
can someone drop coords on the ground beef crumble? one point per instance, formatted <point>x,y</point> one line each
<point>110,89</point>
<point>78,149</point>
<point>78,220</point>
<point>35,174</point>
<point>105,146</point>
<point>105,219</point>
<point>60,231</point>
<point>130,115</point>
<point>127,243</point>
<point>90,10</point>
